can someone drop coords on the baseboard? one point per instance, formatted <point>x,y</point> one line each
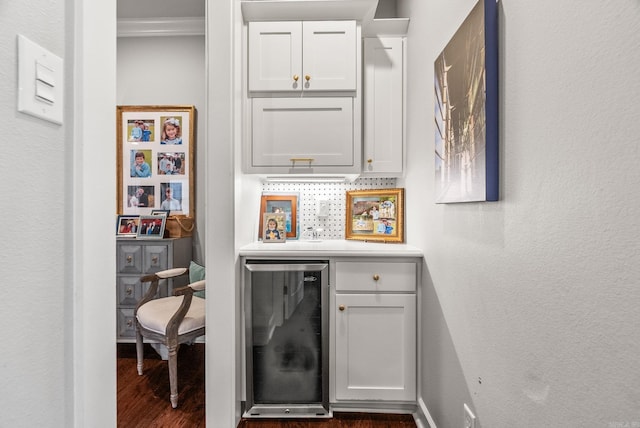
<point>423,417</point>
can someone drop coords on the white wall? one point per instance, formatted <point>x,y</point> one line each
<point>34,291</point>
<point>530,304</point>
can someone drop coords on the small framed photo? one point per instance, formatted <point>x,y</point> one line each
<point>164,213</point>
<point>375,215</point>
<point>285,204</point>
<point>151,227</point>
<point>273,225</point>
<point>127,225</point>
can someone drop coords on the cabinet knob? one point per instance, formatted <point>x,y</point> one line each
<point>154,259</point>
<point>376,277</point>
<point>129,259</point>
<point>129,291</point>
<point>369,160</point>
<point>307,77</point>
<point>296,77</point>
<point>129,323</point>
<point>341,307</point>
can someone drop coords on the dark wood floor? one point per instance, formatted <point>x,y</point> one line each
<point>143,401</point>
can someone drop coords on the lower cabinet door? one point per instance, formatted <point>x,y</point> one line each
<point>375,349</point>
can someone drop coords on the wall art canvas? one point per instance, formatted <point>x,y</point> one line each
<point>466,110</point>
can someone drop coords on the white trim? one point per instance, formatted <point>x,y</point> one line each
<point>151,27</point>
<point>386,27</point>
<point>423,416</point>
<point>304,10</point>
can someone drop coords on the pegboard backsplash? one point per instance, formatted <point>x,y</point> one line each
<point>310,193</point>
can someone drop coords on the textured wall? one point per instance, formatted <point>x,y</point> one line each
<point>35,156</point>
<point>530,304</point>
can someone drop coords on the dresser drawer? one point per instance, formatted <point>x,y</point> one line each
<point>376,276</point>
<point>129,259</point>
<point>126,324</point>
<point>130,290</point>
<point>155,258</point>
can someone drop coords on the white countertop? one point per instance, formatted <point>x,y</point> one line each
<point>328,248</point>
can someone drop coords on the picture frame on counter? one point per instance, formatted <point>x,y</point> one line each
<point>155,151</point>
<point>152,226</point>
<point>280,203</point>
<point>127,225</point>
<point>274,227</point>
<point>375,215</point>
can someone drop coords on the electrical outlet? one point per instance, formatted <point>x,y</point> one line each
<point>469,417</point>
<point>322,209</point>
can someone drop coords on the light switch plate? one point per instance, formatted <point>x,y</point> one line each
<point>40,81</point>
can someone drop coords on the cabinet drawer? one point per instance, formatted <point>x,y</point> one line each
<point>126,324</point>
<point>129,259</point>
<point>130,290</point>
<point>376,276</point>
<point>155,258</point>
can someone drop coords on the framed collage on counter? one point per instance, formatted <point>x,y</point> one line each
<point>155,159</point>
<point>375,215</point>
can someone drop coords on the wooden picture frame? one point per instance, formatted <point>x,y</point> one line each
<point>280,203</point>
<point>375,215</point>
<point>152,226</point>
<point>127,225</point>
<point>156,146</point>
<point>273,225</point>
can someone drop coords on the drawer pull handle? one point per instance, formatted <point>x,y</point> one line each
<point>129,291</point>
<point>342,308</point>
<point>129,259</point>
<point>296,77</point>
<point>376,277</point>
<point>154,259</point>
<point>307,77</point>
<point>129,323</point>
<point>369,160</point>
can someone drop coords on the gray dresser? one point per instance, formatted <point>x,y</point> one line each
<point>138,257</point>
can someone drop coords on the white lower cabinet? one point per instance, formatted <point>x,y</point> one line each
<point>374,327</point>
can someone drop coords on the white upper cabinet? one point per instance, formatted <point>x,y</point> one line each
<point>294,56</point>
<point>383,150</point>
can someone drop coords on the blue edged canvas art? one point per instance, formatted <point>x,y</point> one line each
<point>466,110</point>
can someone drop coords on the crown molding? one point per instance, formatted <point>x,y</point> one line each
<point>153,27</point>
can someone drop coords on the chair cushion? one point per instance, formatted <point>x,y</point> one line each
<point>196,273</point>
<point>155,314</point>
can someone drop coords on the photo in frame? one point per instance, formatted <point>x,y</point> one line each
<point>273,225</point>
<point>375,215</point>
<point>127,225</point>
<point>281,203</point>
<point>466,110</point>
<point>151,226</point>
<point>155,159</point>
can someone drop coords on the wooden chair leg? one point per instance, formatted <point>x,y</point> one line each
<point>139,352</point>
<point>173,375</point>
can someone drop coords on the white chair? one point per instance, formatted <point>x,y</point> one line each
<point>171,321</point>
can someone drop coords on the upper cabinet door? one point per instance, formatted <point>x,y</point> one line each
<point>275,56</point>
<point>383,106</point>
<point>293,56</point>
<point>329,55</point>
